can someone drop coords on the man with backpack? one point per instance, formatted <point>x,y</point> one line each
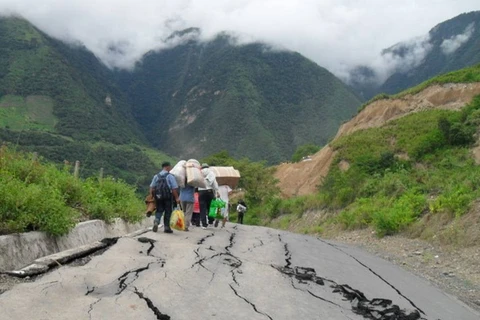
<point>164,189</point>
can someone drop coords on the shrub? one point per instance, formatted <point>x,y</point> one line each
<point>304,150</point>
<point>39,196</point>
<point>401,213</point>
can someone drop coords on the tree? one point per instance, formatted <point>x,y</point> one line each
<point>304,150</point>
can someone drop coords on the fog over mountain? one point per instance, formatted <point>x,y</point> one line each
<point>336,34</point>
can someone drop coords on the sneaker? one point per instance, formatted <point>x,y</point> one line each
<point>204,228</point>
<point>169,231</point>
<point>161,225</point>
<point>155,226</point>
<point>216,223</point>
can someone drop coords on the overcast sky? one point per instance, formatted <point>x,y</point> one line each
<point>337,34</point>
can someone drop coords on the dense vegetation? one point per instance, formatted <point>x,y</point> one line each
<point>250,100</point>
<point>36,195</point>
<point>399,177</point>
<point>304,151</point>
<point>438,59</point>
<point>414,166</point>
<point>132,163</point>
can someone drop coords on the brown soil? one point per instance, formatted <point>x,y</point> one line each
<point>302,178</point>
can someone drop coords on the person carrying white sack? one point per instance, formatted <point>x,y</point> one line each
<point>207,194</point>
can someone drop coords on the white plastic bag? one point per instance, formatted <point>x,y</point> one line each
<point>180,173</point>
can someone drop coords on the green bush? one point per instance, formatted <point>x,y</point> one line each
<point>38,196</point>
<point>401,213</point>
<point>304,150</point>
<point>394,169</point>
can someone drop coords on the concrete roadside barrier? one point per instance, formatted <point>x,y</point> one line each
<point>21,249</point>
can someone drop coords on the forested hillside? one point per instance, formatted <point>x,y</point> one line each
<point>59,100</point>
<point>192,100</point>
<point>199,98</point>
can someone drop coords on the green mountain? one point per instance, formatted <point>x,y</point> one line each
<point>199,98</point>
<point>451,45</point>
<point>59,88</point>
<point>59,100</point>
<point>192,100</point>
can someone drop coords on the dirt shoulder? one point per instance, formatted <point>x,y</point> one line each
<point>454,270</point>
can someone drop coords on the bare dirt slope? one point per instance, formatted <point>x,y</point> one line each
<point>302,178</point>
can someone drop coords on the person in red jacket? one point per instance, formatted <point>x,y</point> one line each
<point>196,211</point>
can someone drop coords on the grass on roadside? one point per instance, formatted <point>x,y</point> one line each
<point>39,196</point>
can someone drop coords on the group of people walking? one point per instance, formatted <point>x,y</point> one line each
<point>195,202</point>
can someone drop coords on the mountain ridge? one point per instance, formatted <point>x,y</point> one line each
<point>450,45</point>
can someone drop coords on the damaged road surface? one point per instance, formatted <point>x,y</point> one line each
<point>239,272</point>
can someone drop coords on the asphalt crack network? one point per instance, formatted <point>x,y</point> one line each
<point>376,274</point>
<point>122,280</point>
<point>231,260</point>
<point>250,303</point>
<point>378,309</point>
<point>151,306</point>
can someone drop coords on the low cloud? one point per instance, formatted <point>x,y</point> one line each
<point>336,34</point>
<point>451,45</point>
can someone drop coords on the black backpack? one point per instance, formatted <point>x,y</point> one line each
<point>162,190</point>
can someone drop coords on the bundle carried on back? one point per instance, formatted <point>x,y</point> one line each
<point>180,173</point>
<point>195,176</point>
<point>226,176</point>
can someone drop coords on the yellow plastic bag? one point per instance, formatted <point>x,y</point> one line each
<point>177,220</point>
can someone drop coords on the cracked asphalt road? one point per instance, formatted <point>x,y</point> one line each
<point>239,272</point>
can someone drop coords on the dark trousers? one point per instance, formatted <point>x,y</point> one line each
<point>205,198</point>
<point>164,206</point>
<point>196,219</point>
<point>240,217</point>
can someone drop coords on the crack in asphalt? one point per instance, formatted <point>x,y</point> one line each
<point>231,242</point>
<point>377,308</point>
<point>234,264</point>
<point>91,308</point>
<point>125,280</point>
<point>151,306</point>
<point>150,241</point>
<point>122,285</point>
<point>90,290</point>
<point>202,240</point>
<point>250,303</point>
<point>312,294</point>
<point>376,274</point>
<point>288,254</point>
